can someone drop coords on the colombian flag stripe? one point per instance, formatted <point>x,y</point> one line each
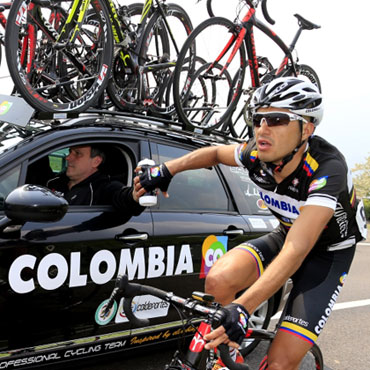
<point>253,155</point>
<point>298,331</point>
<point>310,165</point>
<point>353,197</point>
<point>255,256</point>
<point>287,224</point>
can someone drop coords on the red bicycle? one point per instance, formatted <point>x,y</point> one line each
<point>197,312</point>
<point>231,45</point>
<point>3,7</point>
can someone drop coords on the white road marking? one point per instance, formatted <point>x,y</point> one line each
<point>364,243</point>
<point>352,304</point>
<point>337,306</point>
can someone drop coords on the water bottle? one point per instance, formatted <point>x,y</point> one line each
<point>150,198</point>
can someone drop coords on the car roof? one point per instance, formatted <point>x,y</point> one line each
<point>46,124</point>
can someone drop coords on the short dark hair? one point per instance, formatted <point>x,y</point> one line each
<point>97,150</point>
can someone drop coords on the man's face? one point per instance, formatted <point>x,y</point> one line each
<point>80,163</point>
<point>274,143</point>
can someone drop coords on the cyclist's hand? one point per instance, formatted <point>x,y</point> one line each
<point>155,177</point>
<point>234,320</point>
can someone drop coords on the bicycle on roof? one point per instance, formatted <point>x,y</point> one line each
<point>228,48</point>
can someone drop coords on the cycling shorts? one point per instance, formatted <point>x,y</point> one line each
<point>316,284</point>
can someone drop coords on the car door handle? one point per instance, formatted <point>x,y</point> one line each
<point>132,237</point>
<point>233,232</point>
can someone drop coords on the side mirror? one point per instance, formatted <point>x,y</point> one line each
<point>34,203</point>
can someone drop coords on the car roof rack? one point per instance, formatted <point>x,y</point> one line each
<point>17,113</point>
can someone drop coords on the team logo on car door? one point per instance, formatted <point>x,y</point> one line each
<point>213,248</point>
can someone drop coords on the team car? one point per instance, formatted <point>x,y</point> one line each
<point>59,263</point>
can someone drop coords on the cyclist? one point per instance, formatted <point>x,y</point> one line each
<point>306,184</point>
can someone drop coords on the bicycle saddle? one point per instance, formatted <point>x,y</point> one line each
<point>305,24</point>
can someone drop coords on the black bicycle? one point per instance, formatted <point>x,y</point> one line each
<point>61,53</point>
<point>197,312</point>
<point>141,80</point>
<point>220,41</point>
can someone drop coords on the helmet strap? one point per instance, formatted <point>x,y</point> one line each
<point>279,167</point>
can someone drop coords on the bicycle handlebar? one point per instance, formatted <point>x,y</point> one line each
<point>124,288</point>
<point>250,3</point>
<point>266,13</point>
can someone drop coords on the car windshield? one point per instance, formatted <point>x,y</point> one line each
<point>9,137</point>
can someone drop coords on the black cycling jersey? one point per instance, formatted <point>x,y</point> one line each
<point>322,178</point>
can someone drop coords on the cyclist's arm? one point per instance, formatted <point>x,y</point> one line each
<point>203,158</point>
<point>300,239</point>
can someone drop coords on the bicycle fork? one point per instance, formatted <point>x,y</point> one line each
<point>195,350</point>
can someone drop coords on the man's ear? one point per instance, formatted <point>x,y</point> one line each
<point>308,130</point>
<point>97,160</point>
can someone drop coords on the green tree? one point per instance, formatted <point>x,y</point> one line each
<point>361,179</point>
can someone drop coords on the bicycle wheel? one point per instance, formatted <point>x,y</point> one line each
<point>306,72</point>
<point>161,40</point>
<point>55,64</point>
<point>204,42</point>
<point>129,16</point>
<point>204,91</point>
<point>159,68</point>
<point>240,123</point>
<point>312,360</point>
<point>260,319</point>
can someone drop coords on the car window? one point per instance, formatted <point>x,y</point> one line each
<point>248,189</point>
<point>196,190</point>
<point>117,166</point>
<point>57,160</point>
<point>8,182</point>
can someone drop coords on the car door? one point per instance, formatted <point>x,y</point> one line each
<point>55,276</point>
<point>196,225</point>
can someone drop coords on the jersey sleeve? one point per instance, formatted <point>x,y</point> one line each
<point>245,154</point>
<point>327,183</point>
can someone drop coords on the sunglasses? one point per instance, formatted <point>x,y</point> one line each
<point>273,119</point>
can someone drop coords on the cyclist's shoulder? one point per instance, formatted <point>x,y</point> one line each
<point>247,150</point>
<point>324,154</point>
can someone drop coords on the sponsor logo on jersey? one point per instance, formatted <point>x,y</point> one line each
<point>282,204</point>
<point>261,204</point>
<point>341,218</point>
<point>318,184</point>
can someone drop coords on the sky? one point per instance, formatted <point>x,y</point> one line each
<point>339,52</point>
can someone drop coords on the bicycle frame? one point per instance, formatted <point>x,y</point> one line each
<point>129,54</point>
<point>246,35</point>
<point>201,309</point>
<point>78,11</point>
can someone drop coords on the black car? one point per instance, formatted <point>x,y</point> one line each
<point>58,266</point>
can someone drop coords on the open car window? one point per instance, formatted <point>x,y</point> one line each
<point>196,190</point>
<point>117,166</point>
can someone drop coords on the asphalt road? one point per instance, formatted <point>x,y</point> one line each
<point>345,341</point>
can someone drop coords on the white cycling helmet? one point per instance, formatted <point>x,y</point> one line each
<point>299,96</point>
